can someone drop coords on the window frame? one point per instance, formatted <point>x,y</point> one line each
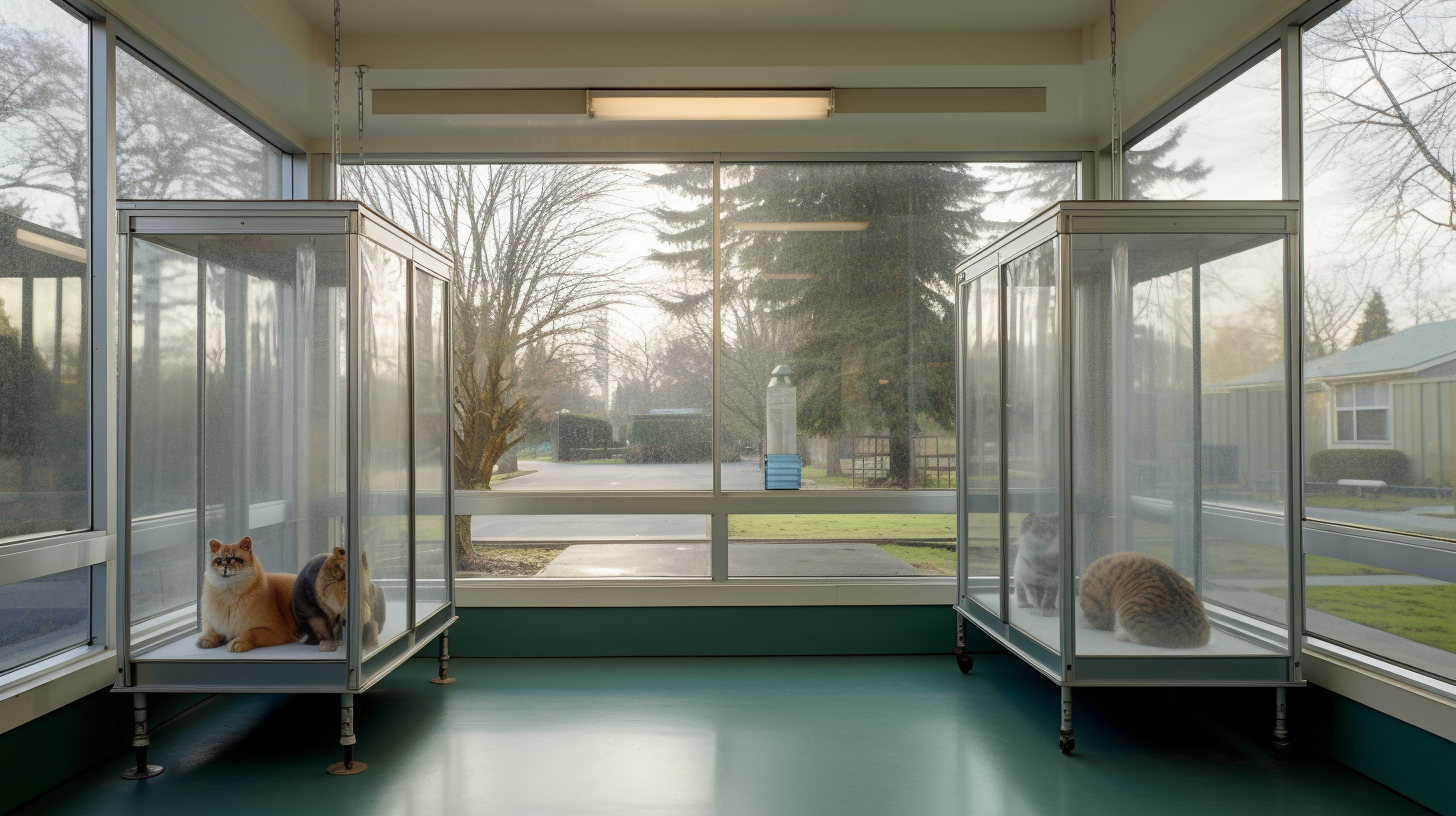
<point>1354,410</point>
<point>74,672</point>
<point>718,588</point>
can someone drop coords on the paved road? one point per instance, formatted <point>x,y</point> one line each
<point>574,476</point>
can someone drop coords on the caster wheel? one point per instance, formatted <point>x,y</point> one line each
<point>965,663</point>
<point>1067,744</point>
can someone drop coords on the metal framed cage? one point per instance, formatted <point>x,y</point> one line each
<point>1128,382</point>
<point>285,376</point>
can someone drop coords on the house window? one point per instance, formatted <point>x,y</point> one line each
<point>1362,413</point>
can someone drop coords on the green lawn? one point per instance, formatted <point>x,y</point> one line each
<point>1424,613</point>
<point>930,560</point>
<point>1374,504</point>
<point>861,526</point>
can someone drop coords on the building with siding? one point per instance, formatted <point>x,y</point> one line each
<point>1396,392</point>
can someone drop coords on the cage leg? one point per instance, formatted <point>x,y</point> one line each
<point>140,740</point>
<point>964,661</point>
<point>444,660</point>
<point>346,739</point>
<point>1066,742</point>
<point>1282,745</point>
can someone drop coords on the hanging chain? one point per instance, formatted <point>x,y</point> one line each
<point>360,73</point>
<point>334,147</point>
<point>1116,106</point>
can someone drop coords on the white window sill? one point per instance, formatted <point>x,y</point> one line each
<point>1410,697</point>
<point>37,690</point>
<point>559,592</point>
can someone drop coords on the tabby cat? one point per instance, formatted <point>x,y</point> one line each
<point>1038,558</point>
<point>243,606</point>
<point>321,595</point>
<point>1143,600</point>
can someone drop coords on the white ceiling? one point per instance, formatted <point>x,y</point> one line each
<point>273,58</point>
<point>558,16</point>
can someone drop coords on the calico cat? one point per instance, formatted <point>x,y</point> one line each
<point>1038,560</point>
<point>321,595</point>
<point>243,606</point>
<point>1143,600</point>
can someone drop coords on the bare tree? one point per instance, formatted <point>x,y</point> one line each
<point>1381,85</point>
<point>531,276</point>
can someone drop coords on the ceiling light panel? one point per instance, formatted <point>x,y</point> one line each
<point>710,105</point>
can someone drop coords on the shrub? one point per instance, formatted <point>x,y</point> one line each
<point>680,440</point>
<point>1334,464</point>
<point>646,455</point>
<point>576,431</point>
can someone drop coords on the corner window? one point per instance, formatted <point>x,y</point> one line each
<point>1362,413</point>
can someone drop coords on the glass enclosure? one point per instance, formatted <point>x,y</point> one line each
<point>1126,477</point>
<point>286,374</point>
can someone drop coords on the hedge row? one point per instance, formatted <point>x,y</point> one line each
<point>1332,465</point>
<point>575,431</point>
<point>672,440</point>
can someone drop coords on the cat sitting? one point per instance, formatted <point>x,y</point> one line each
<point>1143,600</point>
<point>1038,561</point>
<point>321,597</point>
<point>243,606</point>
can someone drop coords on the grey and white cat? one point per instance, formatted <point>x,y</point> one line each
<point>1038,561</point>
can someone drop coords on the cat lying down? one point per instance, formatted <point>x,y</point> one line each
<point>242,605</point>
<point>247,608</point>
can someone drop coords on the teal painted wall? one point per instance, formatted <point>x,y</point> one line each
<point>707,630</point>
<point>1393,753</point>
<point>47,751</point>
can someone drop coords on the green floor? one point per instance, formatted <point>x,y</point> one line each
<point>753,736</point>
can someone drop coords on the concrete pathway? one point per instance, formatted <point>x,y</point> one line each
<point>588,527</point>
<point>773,559</point>
<point>577,476</point>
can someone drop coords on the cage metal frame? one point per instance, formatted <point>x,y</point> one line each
<point>1059,223</point>
<point>256,673</point>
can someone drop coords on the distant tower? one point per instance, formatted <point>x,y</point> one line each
<point>602,362</point>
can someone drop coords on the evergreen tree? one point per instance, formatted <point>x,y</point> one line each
<point>1149,172</point>
<point>1374,323</point>
<point>869,313</point>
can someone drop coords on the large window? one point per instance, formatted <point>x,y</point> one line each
<point>170,144</point>
<point>588,296</point>
<point>1380,322</point>
<point>44,156</point>
<point>1227,146</point>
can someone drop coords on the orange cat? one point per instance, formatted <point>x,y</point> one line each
<point>243,606</point>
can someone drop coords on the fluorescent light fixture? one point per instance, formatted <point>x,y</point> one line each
<point>710,105</point>
<point>60,249</point>
<point>804,226</point>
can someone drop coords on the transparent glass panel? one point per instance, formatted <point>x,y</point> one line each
<point>982,414</point>
<point>44,161</point>
<point>843,273</point>
<point>1227,146</point>
<point>584,318</point>
<point>1179,446</point>
<point>384,460</point>
<point>170,144</point>
<point>44,616</point>
<point>432,429</point>
<point>1380,313</point>
<point>859,545</point>
<point>165,383</point>
<point>268,374</point>
<point>591,546</point>
<point>1033,443</point>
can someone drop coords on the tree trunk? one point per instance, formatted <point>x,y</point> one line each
<point>832,467</point>
<point>509,463</point>
<point>899,471</point>
<point>466,557</point>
